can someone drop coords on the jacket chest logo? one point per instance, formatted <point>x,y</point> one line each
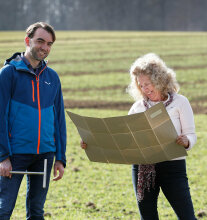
<point>48,83</point>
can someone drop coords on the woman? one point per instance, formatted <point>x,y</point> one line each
<point>153,82</point>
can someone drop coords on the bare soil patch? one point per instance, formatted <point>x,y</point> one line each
<point>118,58</point>
<point>65,90</point>
<point>98,104</point>
<point>79,73</point>
<point>197,108</point>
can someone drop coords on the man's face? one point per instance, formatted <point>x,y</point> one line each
<point>40,45</point>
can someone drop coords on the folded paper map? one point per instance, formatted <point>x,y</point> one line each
<point>142,138</point>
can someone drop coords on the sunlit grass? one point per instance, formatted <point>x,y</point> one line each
<point>94,66</point>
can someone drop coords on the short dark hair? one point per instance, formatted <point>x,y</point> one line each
<point>30,31</point>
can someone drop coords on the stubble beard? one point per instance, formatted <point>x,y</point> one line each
<point>34,54</point>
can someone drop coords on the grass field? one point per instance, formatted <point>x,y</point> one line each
<point>93,68</point>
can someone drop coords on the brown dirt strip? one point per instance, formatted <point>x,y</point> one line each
<point>193,82</point>
<point>119,87</point>
<point>119,58</point>
<point>72,73</point>
<point>120,37</point>
<point>10,41</point>
<point>183,55</point>
<point>87,60</point>
<point>199,99</point>
<point>65,90</point>
<point>97,105</point>
<point>189,67</point>
<point>197,109</point>
<point>80,73</point>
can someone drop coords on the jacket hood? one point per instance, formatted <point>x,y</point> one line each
<point>17,61</point>
<point>16,57</point>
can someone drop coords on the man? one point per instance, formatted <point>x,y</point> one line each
<point>32,122</point>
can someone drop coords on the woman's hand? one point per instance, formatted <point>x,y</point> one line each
<point>183,140</point>
<point>83,145</point>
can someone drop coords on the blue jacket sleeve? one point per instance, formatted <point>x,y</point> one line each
<point>60,127</point>
<point>5,97</point>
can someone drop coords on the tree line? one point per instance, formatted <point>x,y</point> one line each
<point>163,15</point>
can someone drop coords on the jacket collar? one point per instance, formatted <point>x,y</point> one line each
<point>17,61</point>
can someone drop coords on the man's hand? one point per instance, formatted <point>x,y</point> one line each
<point>58,166</point>
<point>5,168</point>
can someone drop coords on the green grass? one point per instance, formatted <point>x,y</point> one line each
<point>109,186</point>
<point>94,66</point>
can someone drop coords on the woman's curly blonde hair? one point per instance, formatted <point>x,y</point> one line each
<point>162,77</point>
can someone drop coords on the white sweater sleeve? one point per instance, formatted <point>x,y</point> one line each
<point>187,122</point>
<point>137,107</point>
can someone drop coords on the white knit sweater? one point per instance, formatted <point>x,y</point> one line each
<point>181,114</point>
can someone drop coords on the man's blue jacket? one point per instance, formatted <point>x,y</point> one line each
<point>32,117</point>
